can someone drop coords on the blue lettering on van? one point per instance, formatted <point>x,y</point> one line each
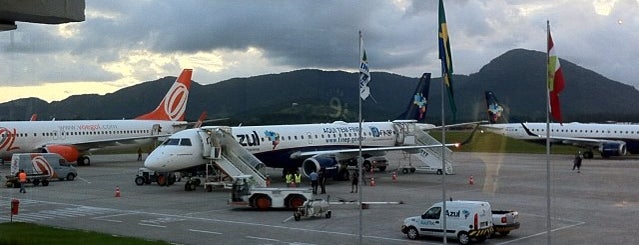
<point>453,213</point>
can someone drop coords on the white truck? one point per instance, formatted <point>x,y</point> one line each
<point>505,221</point>
<point>40,168</point>
<point>465,220</point>
<point>244,194</point>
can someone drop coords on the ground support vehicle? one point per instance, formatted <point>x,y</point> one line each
<point>147,176</point>
<point>40,168</point>
<point>505,221</point>
<point>263,198</point>
<point>313,208</point>
<point>465,220</point>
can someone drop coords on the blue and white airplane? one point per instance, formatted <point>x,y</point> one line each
<point>331,146</point>
<point>608,139</point>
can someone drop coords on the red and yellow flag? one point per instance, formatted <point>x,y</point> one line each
<point>555,81</point>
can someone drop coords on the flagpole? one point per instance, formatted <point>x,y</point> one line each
<point>548,228</point>
<point>360,160</point>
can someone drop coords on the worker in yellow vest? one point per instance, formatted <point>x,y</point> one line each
<point>289,179</point>
<point>298,179</point>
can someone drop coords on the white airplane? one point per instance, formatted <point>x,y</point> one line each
<point>76,139</point>
<point>608,139</point>
<point>331,146</point>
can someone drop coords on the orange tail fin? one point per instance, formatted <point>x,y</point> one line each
<point>173,106</point>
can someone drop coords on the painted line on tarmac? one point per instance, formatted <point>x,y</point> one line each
<point>207,232</point>
<point>264,238</point>
<point>543,232</point>
<point>159,226</point>
<point>228,221</point>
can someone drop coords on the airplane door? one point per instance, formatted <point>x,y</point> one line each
<point>310,138</point>
<point>156,129</point>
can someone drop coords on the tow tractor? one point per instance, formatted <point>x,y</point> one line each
<point>243,193</point>
<point>313,208</point>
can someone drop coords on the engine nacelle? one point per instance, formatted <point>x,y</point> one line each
<point>330,165</point>
<point>613,149</point>
<point>69,153</point>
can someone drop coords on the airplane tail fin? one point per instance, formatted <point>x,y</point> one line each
<point>495,109</point>
<point>418,104</point>
<point>173,106</point>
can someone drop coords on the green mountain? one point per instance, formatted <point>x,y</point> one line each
<point>303,96</point>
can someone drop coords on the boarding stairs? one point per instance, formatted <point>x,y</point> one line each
<point>429,159</point>
<point>229,156</point>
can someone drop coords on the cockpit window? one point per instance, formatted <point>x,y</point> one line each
<point>185,142</point>
<point>171,141</point>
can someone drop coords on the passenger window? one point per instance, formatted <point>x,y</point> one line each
<point>186,142</point>
<point>432,213</point>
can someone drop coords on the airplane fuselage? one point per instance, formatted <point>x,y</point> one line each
<point>628,133</point>
<point>275,144</point>
<point>32,136</point>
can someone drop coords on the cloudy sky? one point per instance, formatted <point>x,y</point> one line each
<point>122,43</point>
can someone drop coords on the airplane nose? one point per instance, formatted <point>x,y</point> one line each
<point>155,161</point>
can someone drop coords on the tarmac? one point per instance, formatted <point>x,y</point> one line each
<point>599,205</point>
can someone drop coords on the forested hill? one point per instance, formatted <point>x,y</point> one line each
<point>518,77</point>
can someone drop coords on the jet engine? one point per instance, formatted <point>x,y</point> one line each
<point>330,165</point>
<point>617,148</point>
<point>69,153</point>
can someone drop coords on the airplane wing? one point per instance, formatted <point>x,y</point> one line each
<point>371,149</point>
<point>93,144</point>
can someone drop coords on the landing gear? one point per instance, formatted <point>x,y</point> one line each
<point>84,161</point>
<point>588,155</point>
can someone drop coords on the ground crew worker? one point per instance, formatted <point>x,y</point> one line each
<point>22,177</point>
<point>298,179</point>
<point>314,181</point>
<point>577,162</point>
<point>289,179</point>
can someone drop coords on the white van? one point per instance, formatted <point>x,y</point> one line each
<point>464,220</point>
<point>43,164</point>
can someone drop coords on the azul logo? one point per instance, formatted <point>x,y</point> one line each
<point>466,213</point>
<point>273,137</point>
<point>175,101</point>
<point>420,101</point>
<point>7,137</point>
<point>453,213</point>
<point>248,139</point>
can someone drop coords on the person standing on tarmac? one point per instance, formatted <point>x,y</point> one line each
<point>22,177</point>
<point>322,180</point>
<point>298,179</point>
<point>577,162</point>
<point>354,182</point>
<point>314,177</point>
<point>289,179</point>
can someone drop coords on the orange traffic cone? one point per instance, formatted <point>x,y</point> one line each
<point>471,180</point>
<point>394,176</point>
<point>372,181</point>
<point>117,191</point>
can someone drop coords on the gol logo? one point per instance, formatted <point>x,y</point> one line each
<point>7,138</point>
<point>41,165</point>
<point>175,101</point>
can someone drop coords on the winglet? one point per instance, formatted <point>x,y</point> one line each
<point>200,120</point>
<point>173,106</point>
